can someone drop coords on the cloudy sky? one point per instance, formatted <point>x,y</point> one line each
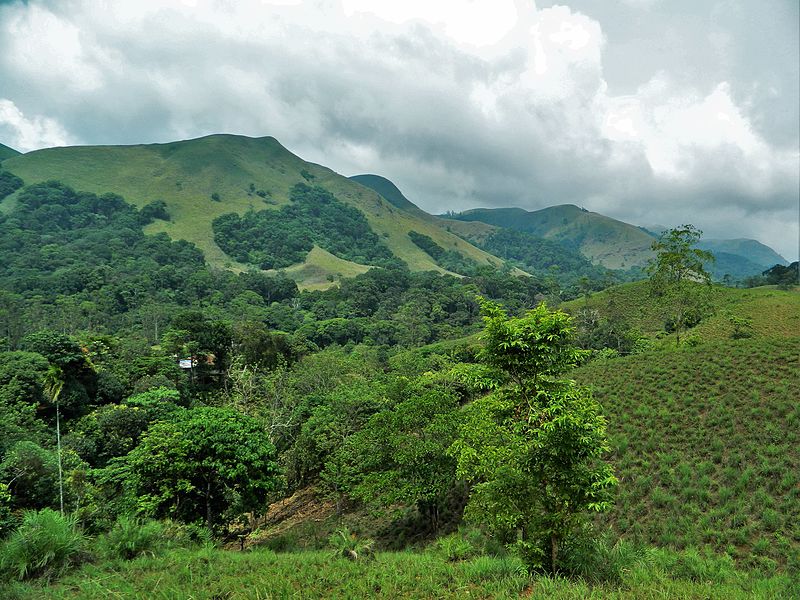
<point>651,111</point>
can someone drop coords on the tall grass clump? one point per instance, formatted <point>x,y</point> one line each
<point>601,559</point>
<point>347,544</point>
<point>44,544</point>
<point>131,537</point>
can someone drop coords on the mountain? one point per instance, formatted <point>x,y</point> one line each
<point>6,152</point>
<point>751,250</point>
<point>603,240</point>
<point>388,190</point>
<point>202,179</point>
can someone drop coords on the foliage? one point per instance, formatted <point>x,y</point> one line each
<point>44,544</point>
<point>400,455</point>
<point>540,256</point>
<point>675,272</point>
<point>273,239</point>
<point>9,183</point>
<point>782,276</point>
<point>535,447</point>
<point>205,464</point>
<point>346,544</point>
<point>131,537</point>
<point>447,259</point>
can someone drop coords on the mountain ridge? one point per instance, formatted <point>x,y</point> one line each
<point>204,178</point>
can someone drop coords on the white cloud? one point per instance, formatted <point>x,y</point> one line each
<point>462,103</point>
<point>24,134</point>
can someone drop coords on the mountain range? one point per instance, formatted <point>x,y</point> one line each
<point>200,180</point>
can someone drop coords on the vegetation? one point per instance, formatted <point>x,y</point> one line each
<point>674,271</point>
<point>180,416</point>
<point>273,239</point>
<point>447,259</point>
<point>535,446</point>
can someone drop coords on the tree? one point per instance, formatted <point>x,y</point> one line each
<point>534,447</point>
<point>53,384</point>
<point>675,272</point>
<point>204,464</point>
<point>400,456</point>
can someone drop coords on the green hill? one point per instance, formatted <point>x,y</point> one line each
<point>202,179</point>
<point>750,250</point>
<point>389,191</point>
<point>6,152</point>
<point>603,240</point>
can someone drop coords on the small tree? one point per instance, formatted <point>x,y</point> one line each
<point>675,272</point>
<point>534,446</point>
<point>202,464</point>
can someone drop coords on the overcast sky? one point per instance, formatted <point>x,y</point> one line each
<point>654,112</point>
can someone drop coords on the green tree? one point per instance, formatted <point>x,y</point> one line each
<point>675,274</point>
<point>204,464</point>
<point>400,456</point>
<point>534,446</point>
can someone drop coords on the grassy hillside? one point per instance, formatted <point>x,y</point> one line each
<point>6,152</point>
<point>388,190</point>
<point>707,446</point>
<point>774,313</point>
<point>603,240</point>
<point>239,171</point>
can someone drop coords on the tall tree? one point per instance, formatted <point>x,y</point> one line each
<point>675,272</point>
<point>534,447</point>
<point>53,384</point>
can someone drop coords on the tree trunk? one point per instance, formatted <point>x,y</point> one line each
<point>60,470</point>
<point>208,505</point>
<point>553,552</point>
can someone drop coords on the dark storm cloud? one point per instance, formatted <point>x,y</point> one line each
<point>698,123</point>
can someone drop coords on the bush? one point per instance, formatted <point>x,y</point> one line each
<point>131,537</point>
<point>454,547</point>
<point>346,544</point>
<point>45,544</point>
<point>598,559</point>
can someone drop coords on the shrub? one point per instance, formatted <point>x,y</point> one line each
<point>454,547</point>
<point>345,543</point>
<point>45,544</point>
<point>131,537</point>
<point>598,559</point>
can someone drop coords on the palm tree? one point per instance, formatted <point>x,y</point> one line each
<point>53,384</point>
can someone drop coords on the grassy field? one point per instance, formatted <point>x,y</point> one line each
<point>186,174</point>
<point>707,446</point>
<point>212,574</point>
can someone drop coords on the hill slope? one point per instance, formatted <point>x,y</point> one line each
<point>242,173</point>
<point>603,240</point>
<point>751,250</point>
<point>6,152</point>
<point>706,446</point>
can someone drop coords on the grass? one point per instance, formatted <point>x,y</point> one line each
<point>774,313</point>
<point>209,573</point>
<point>707,446</point>
<point>186,174</point>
